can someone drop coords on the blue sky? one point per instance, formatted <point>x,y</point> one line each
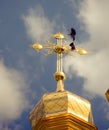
<point>26,75</point>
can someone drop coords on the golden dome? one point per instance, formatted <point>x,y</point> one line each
<point>64,102</point>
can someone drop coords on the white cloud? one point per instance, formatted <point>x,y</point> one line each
<point>94,67</point>
<point>12,93</point>
<point>37,24</point>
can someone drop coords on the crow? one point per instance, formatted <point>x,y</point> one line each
<point>72,46</point>
<point>73,33</point>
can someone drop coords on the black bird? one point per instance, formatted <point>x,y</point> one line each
<point>73,33</point>
<point>72,46</point>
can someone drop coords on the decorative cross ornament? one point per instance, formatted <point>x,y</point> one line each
<point>59,48</point>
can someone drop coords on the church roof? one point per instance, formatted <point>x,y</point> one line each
<point>56,103</point>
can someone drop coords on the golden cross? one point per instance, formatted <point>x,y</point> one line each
<point>59,48</point>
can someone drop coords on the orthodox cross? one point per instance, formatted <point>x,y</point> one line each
<point>59,48</point>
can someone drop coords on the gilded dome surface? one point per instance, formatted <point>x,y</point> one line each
<point>56,103</point>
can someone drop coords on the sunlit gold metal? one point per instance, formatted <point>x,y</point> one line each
<point>61,110</point>
<point>81,51</point>
<point>59,76</point>
<point>37,46</point>
<point>107,95</point>
<point>59,48</point>
<point>63,122</point>
<point>58,35</point>
<point>63,104</point>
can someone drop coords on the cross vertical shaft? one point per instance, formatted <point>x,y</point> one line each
<point>59,75</point>
<point>59,57</point>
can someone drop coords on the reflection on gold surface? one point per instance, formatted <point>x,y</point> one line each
<point>37,46</point>
<point>65,121</point>
<point>58,35</point>
<point>61,110</point>
<point>81,51</point>
<point>64,102</point>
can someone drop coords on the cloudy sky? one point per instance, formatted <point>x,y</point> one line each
<point>24,76</point>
